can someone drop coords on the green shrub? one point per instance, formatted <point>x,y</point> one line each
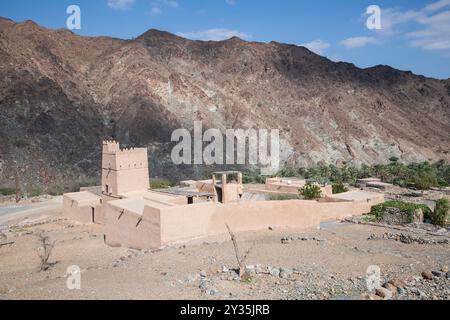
<point>249,178</point>
<point>7,191</point>
<point>379,210</point>
<point>425,180</point>
<point>339,187</point>
<point>161,184</point>
<point>288,173</point>
<point>441,214</point>
<point>311,192</point>
<point>34,192</point>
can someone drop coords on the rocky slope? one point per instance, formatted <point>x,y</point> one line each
<point>61,94</point>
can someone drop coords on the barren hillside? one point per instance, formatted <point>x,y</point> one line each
<point>61,94</point>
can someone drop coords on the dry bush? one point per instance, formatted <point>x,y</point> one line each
<point>243,274</point>
<point>44,252</point>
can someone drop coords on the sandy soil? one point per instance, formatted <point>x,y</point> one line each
<point>330,264</point>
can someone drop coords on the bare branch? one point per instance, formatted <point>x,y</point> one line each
<point>45,251</point>
<point>241,260</point>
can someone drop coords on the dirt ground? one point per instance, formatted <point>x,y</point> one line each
<point>330,263</point>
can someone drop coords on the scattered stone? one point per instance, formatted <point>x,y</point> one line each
<point>288,239</point>
<point>274,272</point>
<point>398,283</point>
<point>203,274</point>
<point>438,274</point>
<point>271,228</point>
<point>444,269</point>
<point>250,270</point>
<point>401,291</point>
<point>369,296</point>
<point>204,285</point>
<point>384,293</point>
<point>212,292</point>
<point>390,287</point>
<point>285,273</point>
<point>422,295</point>
<point>259,269</point>
<point>408,239</point>
<point>373,236</point>
<point>225,269</point>
<point>193,278</point>
<point>427,275</point>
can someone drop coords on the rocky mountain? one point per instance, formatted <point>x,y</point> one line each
<point>61,94</point>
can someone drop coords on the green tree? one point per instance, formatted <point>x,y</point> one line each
<point>311,192</point>
<point>441,214</point>
<point>339,187</point>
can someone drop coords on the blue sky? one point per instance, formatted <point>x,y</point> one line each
<point>415,34</point>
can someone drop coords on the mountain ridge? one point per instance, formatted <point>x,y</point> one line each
<point>61,94</point>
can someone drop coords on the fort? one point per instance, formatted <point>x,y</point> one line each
<point>137,217</point>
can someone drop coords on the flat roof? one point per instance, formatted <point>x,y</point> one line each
<point>137,205</point>
<point>83,196</point>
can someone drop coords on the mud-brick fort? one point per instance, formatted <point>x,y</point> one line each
<point>137,217</point>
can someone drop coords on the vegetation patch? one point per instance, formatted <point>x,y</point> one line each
<point>7,191</point>
<point>311,192</point>
<point>161,184</point>
<point>339,187</point>
<point>408,209</point>
<point>420,176</point>
<point>441,214</point>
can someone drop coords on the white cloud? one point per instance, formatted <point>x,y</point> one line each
<point>214,34</point>
<point>357,42</point>
<point>316,46</point>
<point>157,5</point>
<point>427,28</point>
<point>436,32</point>
<point>437,5</point>
<point>171,3</point>
<point>154,11</point>
<point>391,18</point>
<point>120,4</point>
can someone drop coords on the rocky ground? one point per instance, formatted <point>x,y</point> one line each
<point>330,263</point>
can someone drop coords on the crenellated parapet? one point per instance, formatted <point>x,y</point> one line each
<point>111,146</point>
<point>124,170</point>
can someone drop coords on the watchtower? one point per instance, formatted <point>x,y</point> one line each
<point>124,170</point>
